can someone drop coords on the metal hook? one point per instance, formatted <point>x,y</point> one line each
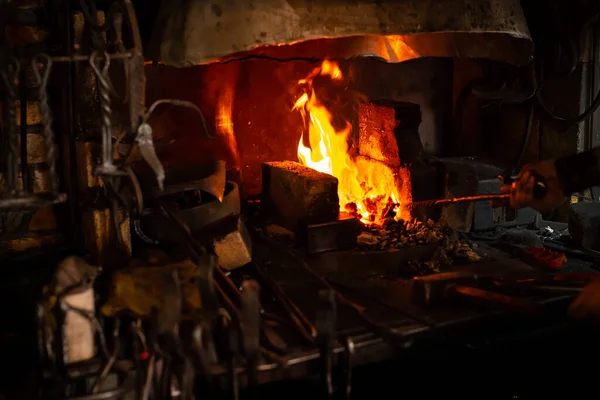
<point>101,74</point>
<point>44,59</point>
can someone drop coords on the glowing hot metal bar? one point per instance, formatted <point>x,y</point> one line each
<point>440,202</point>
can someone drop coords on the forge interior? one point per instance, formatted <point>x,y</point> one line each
<point>225,199</point>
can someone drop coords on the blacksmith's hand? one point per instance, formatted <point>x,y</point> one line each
<point>587,305</point>
<point>521,190</point>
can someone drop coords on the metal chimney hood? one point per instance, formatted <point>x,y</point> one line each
<point>192,32</point>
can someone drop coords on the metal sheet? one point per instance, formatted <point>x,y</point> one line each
<point>190,32</point>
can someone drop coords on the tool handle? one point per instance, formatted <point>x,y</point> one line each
<point>540,189</point>
<point>473,293</point>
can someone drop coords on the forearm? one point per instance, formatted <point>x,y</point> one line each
<point>578,172</point>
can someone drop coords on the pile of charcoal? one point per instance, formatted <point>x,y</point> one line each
<point>398,234</point>
<point>443,243</point>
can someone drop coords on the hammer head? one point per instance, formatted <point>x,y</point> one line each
<point>430,289</point>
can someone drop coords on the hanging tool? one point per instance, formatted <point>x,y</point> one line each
<point>9,76</point>
<point>47,116</point>
<point>100,63</point>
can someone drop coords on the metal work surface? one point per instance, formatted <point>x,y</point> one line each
<point>197,32</point>
<point>374,308</point>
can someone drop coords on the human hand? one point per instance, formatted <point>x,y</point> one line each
<point>521,190</point>
<point>587,305</point>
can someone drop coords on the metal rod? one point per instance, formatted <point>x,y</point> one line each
<point>80,58</point>
<point>466,199</point>
<point>303,326</point>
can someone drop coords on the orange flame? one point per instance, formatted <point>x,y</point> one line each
<point>367,187</point>
<point>224,121</point>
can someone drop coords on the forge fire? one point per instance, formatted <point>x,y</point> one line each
<point>368,188</point>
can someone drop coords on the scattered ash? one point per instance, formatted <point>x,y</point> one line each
<point>401,234</point>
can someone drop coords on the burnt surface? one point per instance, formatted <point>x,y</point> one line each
<point>392,30</point>
<point>295,194</point>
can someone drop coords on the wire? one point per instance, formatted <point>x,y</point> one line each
<point>526,140</point>
<point>181,103</point>
<point>571,121</point>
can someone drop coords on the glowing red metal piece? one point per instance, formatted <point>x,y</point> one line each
<point>545,258</point>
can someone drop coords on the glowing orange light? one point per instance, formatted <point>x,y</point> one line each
<point>366,187</point>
